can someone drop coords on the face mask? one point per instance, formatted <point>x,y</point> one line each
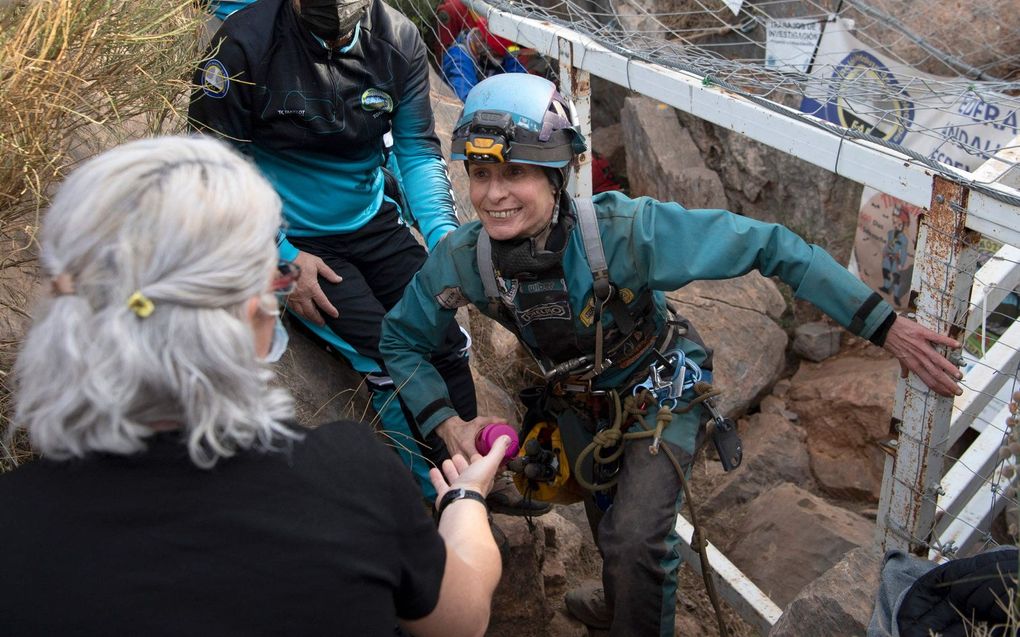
<point>331,19</point>
<point>278,344</point>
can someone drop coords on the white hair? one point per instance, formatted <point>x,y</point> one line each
<point>191,225</point>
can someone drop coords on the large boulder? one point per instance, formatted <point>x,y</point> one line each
<point>520,606</point>
<point>837,604</point>
<point>775,452</point>
<point>769,185</point>
<point>493,400</point>
<point>817,340</point>
<point>544,562</point>
<point>735,317</point>
<point>845,404</point>
<point>789,537</point>
<point>663,161</point>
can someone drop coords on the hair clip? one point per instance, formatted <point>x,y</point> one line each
<point>140,304</point>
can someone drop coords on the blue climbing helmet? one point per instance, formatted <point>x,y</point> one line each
<point>519,118</point>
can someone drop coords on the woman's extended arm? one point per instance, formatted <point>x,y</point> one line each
<point>473,565</point>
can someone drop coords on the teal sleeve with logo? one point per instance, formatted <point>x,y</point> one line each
<point>426,183</point>
<point>416,326</point>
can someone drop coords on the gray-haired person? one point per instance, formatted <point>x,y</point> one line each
<point>173,496</point>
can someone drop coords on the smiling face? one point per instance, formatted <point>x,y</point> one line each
<point>513,201</point>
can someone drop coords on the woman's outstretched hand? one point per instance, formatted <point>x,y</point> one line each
<point>914,346</point>
<point>476,475</point>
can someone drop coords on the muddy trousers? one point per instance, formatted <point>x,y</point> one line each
<point>636,535</point>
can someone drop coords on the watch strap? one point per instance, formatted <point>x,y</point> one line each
<point>458,493</point>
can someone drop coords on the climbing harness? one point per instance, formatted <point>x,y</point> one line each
<point>668,378</point>
<point>630,339</point>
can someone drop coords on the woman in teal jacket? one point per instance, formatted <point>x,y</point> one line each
<point>547,287</point>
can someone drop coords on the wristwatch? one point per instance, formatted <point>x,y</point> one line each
<point>459,493</point>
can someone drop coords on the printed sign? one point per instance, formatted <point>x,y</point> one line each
<point>865,91</point>
<point>790,44</point>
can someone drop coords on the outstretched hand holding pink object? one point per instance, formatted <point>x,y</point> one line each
<point>488,435</point>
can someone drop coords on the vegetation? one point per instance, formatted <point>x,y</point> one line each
<point>76,76</point>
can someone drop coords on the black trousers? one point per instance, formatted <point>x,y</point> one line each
<point>377,262</point>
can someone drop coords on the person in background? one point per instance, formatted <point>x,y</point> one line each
<point>581,283</point>
<point>312,90</point>
<point>476,54</point>
<point>173,495</point>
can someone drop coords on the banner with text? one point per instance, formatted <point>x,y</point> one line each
<point>789,44</point>
<point>863,90</point>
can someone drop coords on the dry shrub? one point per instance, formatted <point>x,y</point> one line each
<point>76,77</point>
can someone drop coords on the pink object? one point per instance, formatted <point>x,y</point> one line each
<point>488,435</point>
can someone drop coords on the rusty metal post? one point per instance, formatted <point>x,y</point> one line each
<point>944,264</point>
<point>575,85</point>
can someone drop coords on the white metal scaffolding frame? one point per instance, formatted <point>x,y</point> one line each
<point>820,143</point>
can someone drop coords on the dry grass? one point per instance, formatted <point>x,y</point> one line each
<point>76,77</point>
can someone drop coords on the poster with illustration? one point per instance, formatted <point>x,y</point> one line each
<point>884,245</point>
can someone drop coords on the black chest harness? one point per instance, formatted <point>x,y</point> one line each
<point>537,308</point>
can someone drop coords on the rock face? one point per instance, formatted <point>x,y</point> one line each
<point>662,160</point>
<point>735,317</point>
<point>520,605</point>
<point>844,405</point>
<point>769,185</point>
<point>837,604</point>
<point>790,537</point>
<point>493,400</point>
<point>817,340</point>
<point>678,157</point>
<point>774,453</point>
<point>543,564</point>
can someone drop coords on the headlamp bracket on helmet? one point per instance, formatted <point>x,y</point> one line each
<point>489,137</point>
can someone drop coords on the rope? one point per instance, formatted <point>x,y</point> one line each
<point>635,406</point>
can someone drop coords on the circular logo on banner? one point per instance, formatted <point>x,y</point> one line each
<point>215,80</point>
<point>869,99</point>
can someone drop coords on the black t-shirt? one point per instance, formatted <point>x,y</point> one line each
<point>328,538</point>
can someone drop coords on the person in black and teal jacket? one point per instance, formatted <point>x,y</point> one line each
<point>312,90</point>
<point>532,263</point>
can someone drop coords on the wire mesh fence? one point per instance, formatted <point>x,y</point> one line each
<point>936,83</point>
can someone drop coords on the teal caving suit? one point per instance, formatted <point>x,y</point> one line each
<point>650,247</point>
